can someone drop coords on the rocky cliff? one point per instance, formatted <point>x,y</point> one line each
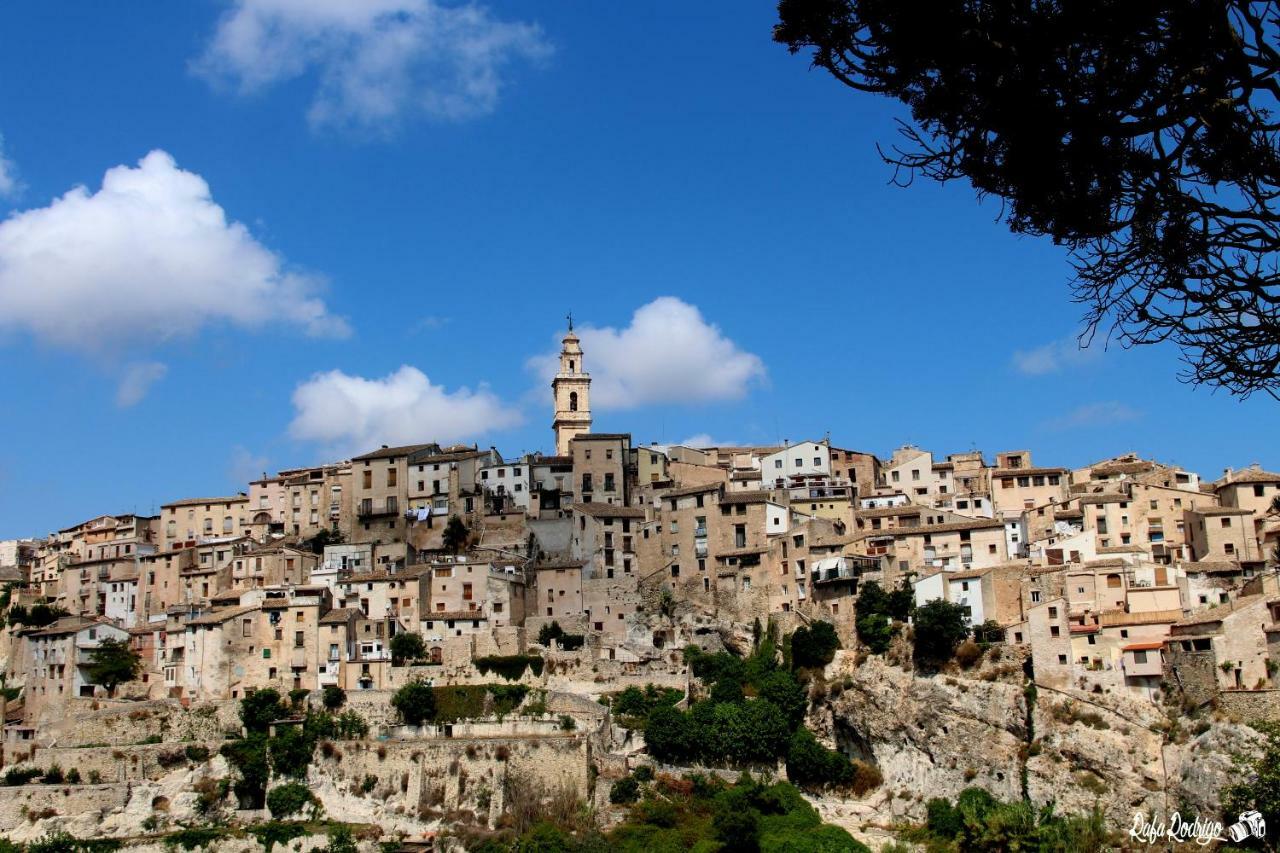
<point>933,736</point>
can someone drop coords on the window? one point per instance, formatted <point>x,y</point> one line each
<point>299,639</point>
<point>1226,522</point>
<point>573,401</point>
<point>368,479</point>
<point>1259,491</point>
<point>1140,657</point>
<point>1062,660</point>
<point>1035,596</point>
<point>266,654</point>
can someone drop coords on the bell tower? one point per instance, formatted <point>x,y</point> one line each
<point>571,389</point>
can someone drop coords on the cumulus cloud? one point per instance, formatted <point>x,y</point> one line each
<point>375,60</point>
<point>9,185</point>
<point>137,381</point>
<point>703,439</point>
<point>1054,357</point>
<point>1099,414</point>
<point>351,414</point>
<point>669,354</point>
<point>148,257</point>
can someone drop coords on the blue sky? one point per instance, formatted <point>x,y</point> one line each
<point>427,202</point>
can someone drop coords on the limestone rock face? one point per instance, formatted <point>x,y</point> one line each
<point>934,736</point>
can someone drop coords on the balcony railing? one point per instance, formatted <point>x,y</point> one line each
<point>372,510</point>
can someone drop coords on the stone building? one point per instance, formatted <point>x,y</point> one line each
<point>571,390</point>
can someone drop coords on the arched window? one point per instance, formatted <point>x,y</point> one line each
<point>571,365</point>
<point>573,401</point>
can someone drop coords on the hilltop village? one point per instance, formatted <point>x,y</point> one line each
<point>1126,585</point>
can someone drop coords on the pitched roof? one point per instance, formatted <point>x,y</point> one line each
<point>1211,567</point>
<point>391,452</point>
<point>1025,472</point>
<point>1252,474</point>
<point>949,527</point>
<point>1220,612</point>
<point>889,511</point>
<point>603,510</point>
<point>195,501</point>
<point>745,497</point>
<point>692,490</point>
<point>338,615</point>
<point>217,617</point>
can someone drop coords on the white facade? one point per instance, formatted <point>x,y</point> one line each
<point>122,601</point>
<point>806,459</point>
<point>510,479</point>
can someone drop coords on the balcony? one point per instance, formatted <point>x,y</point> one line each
<point>369,509</point>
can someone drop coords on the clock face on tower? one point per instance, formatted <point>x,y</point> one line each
<point>571,394</point>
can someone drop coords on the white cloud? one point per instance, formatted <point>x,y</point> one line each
<point>376,59</point>
<point>669,354</point>
<point>1054,357</point>
<point>9,185</point>
<point>1095,415</point>
<point>352,414</point>
<point>137,381</point>
<point>148,257</point>
<point>703,440</point>
<point>245,466</point>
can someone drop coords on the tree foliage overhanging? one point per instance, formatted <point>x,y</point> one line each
<point>1142,136</point>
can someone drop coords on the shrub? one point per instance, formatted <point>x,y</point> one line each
<point>73,776</point>
<point>624,791</point>
<point>510,667</point>
<point>290,799</point>
<point>968,653</point>
<point>197,754</point>
<point>988,632</point>
<point>415,702</point>
<point>20,775</point>
<point>334,697</point>
<point>53,776</point>
<point>549,633</point>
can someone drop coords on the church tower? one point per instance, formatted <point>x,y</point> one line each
<point>572,390</point>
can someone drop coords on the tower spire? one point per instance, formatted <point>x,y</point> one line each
<point>571,392</point>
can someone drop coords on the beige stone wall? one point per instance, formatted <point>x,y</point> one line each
<point>430,778</point>
<point>1250,705</point>
<point>122,763</point>
<point>131,723</point>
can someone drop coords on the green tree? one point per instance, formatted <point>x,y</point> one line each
<point>901,603</point>
<point>939,627</point>
<point>549,633</point>
<point>290,799</point>
<point>815,646</point>
<point>416,703</point>
<point>875,631</point>
<point>1258,784</point>
<point>407,646</point>
<point>783,690</point>
<point>113,663</point>
<point>1140,136</point>
<point>871,599</point>
<point>334,697</point>
<point>456,535</point>
<point>260,709</point>
<point>812,765</point>
<point>670,735</point>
